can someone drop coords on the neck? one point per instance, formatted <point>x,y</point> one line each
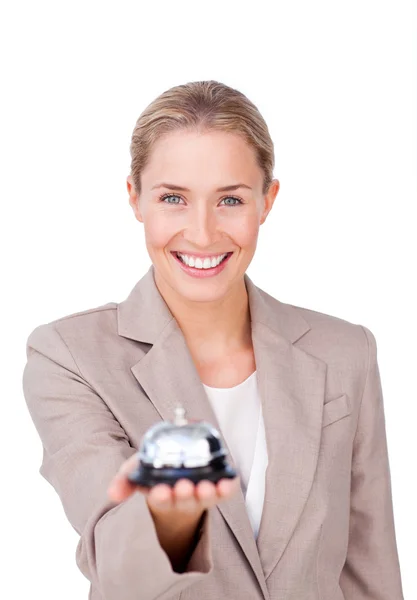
<point>213,328</point>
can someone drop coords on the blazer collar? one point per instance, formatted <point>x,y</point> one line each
<point>144,314</point>
<point>291,384</point>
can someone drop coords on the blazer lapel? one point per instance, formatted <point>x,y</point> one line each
<point>292,387</point>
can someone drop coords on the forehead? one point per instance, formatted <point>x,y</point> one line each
<point>190,159</point>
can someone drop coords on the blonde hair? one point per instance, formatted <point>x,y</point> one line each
<point>201,106</point>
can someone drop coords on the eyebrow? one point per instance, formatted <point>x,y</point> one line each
<point>226,188</point>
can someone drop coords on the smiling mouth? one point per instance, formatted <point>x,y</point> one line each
<point>179,258</point>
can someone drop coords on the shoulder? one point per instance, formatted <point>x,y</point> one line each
<point>330,337</point>
<point>336,326</point>
<point>336,340</point>
<point>79,327</point>
<point>326,321</point>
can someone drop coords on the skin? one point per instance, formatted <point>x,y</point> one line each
<point>212,312</point>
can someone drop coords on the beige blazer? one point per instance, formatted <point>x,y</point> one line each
<point>96,380</point>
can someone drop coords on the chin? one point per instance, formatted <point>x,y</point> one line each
<point>197,289</point>
<point>201,291</point>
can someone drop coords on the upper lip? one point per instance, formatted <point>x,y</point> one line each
<point>200,254</point>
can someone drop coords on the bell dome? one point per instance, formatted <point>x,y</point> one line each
<point>180,449</point>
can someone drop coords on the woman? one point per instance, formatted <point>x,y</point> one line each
<point>295,393</point>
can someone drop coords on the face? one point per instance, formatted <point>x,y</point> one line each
<point>199,220</point>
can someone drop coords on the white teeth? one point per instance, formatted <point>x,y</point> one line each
<point>198,263</point>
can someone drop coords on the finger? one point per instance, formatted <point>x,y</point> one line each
<point>119,489</point>
<point>226,487</point>
<point>206,493</point>
<point>160,498</point>
<point>184,496</point>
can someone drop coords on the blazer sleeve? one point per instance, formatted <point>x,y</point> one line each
<point>83,447</point>
<point>371,570</point>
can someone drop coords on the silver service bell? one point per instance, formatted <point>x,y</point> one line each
<point>181,449</point>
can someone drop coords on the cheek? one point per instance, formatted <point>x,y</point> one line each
<point>245,231</point>
<point>158,230</point>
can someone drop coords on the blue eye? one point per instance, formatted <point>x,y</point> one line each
<point>239,201</point>
<point>163,198</point>
<point>166,196</point>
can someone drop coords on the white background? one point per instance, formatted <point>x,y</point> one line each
<point>336,83</point>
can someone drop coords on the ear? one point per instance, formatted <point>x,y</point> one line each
<point>269,199</point>
<point>133,198</point>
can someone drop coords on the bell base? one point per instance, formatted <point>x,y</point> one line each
<point>147,476</point>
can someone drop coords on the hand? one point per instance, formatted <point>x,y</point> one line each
<point>184,499</point>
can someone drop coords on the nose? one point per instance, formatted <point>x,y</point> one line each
<point>201,227</point>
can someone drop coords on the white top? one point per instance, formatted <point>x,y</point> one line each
<point>239,413</point>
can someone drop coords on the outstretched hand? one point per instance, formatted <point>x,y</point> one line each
<point>185,498</point>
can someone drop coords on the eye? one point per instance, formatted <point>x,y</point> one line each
<point>235,198</point>
<point>165,196</point>
<point>238,200</point>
